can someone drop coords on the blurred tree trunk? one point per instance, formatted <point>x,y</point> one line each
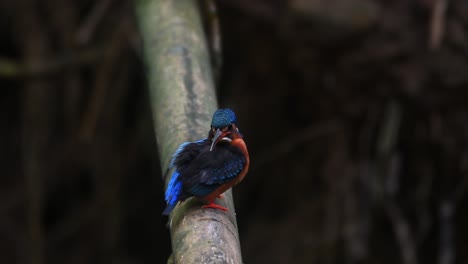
<point>183,100</point>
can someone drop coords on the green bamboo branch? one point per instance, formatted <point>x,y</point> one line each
<point>183,100</point>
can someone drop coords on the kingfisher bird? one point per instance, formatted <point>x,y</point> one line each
<point>208,167</point>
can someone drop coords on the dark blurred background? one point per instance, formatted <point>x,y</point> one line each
<point>355,113</point>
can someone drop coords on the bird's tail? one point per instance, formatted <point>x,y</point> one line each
<point>169,208</point>
<point>173,192</point>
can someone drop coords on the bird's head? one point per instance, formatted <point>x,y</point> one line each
<point>223,127</point>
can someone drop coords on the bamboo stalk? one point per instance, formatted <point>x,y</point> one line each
<point>183,100</point>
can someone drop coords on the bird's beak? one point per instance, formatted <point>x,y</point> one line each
<point>219,136</point>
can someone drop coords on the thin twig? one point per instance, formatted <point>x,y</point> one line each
<point>36,122</point>
<point>12,69</point>
<point>214,37</point>
<point>290,142</point>
<point>446,246</point>
<point>403,234</point>
<point>437,26</point>
<point>65,22</point>
<point>87,29</point>
<point>102,81</point>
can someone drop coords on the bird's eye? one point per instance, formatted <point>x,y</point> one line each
<point>230,127</point>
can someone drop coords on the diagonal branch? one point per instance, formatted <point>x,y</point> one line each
<point>183,100</point>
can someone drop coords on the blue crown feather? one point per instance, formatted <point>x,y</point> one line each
<point>223,118</point>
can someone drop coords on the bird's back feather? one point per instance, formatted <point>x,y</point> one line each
<point>211,169</point>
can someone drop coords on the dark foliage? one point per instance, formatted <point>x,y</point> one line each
<point>354,112</point>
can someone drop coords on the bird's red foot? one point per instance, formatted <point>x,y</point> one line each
<point>215,206</point>
<point>220,196</point>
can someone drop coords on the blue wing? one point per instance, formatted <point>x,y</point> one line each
<point>183,155</point>
<point>212,169</point>
<point>187,152</point>
<point>173,192</point>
